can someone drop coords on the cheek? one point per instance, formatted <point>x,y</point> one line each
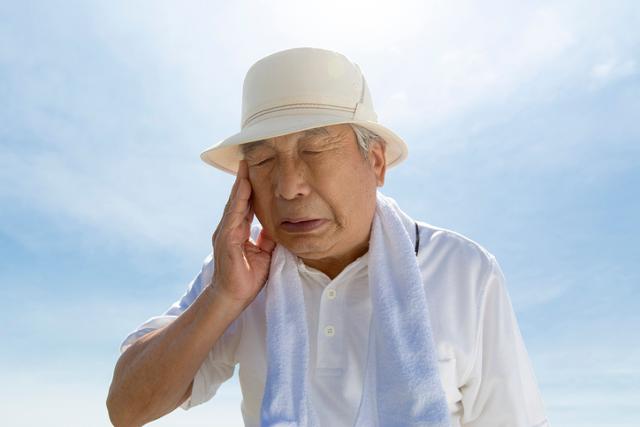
<point>349,189</point>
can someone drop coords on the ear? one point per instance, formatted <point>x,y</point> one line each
<point>378,161</point>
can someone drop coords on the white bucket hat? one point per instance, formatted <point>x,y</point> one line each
<point>299,89</point>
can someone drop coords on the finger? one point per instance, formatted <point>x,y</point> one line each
<point>265,242</point>
<point>243,169</point>
<point>243,189</point>
<point>232,193</point>
<point>249,215</point>
<point>238,219</point>
<point>240,206</point>
<point>246,223</point>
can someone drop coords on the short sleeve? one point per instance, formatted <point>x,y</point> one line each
<point>219,364</point>
<point>194,289</point>
<point>500,389</point>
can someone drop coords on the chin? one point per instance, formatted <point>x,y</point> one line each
<point>310,247</point>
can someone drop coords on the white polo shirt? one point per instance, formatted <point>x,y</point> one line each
<point>485,371</point>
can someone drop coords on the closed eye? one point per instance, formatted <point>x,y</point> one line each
<point>262,162</point>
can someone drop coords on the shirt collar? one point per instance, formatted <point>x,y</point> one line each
<point>357,266</point>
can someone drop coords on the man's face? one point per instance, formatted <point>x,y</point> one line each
<point>314,192</point>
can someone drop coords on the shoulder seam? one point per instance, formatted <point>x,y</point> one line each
<point>461,237</point>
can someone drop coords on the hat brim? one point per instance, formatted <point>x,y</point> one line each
<point>226,154</point>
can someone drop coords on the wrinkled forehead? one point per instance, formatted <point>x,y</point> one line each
<point>319,133</point>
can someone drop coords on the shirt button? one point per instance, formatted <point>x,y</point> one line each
<point>331,293</point>
<point>329,331</point>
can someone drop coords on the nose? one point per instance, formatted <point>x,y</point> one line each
<point>290,181</point>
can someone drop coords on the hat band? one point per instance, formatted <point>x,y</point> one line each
<point>308,105</point>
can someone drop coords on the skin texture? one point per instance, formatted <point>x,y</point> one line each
<point>322,177</point>
<point>241,267</point>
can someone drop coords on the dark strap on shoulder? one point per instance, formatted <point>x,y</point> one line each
<point>417,238</point>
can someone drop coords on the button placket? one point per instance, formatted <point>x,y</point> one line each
<point>329,330</point>
<point>331,334</point>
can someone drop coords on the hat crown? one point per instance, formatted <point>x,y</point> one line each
<point>305,78</point>
<point>298,89</point>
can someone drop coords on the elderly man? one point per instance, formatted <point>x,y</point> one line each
<point>339,308</point>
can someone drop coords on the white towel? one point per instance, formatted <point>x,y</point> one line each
<point>402,384</point>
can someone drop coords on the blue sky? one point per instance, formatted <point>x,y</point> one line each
<point>524,135</point>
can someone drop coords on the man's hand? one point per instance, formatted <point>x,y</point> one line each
<point>241,266</point>
<point>155,374</point>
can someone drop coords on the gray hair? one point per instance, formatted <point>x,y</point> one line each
<point>365,138</point>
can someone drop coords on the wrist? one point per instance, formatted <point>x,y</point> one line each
<point>218,297</point>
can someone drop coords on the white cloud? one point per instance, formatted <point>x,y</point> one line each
<point>131,199</point>
<point>613,69</point>
<point>543,290</point>
<point>426,63</point>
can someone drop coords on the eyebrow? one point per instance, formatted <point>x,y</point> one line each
<point>251,146</point>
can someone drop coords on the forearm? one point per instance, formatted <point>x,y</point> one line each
<point>152,376</point>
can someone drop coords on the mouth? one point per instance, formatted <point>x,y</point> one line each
<point>301,225</point>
